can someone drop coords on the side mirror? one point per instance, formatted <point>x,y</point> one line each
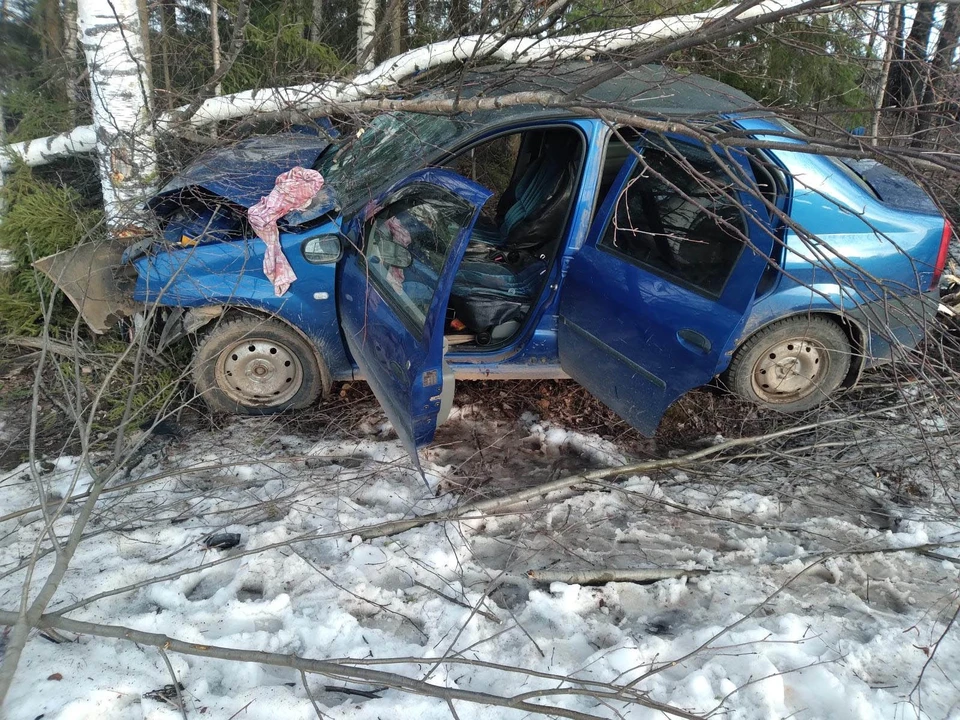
<point>394,255</point>
<point>322,249</point>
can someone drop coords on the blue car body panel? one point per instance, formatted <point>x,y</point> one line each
<point>404,365</point>
<point>231,274</point>
<point>860,258</point>
<point>658,338</point>
<point>247,170</point>
<point>843,251</point>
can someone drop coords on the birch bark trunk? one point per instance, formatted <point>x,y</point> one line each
<point>71,56</point>
<point>366,29</point>
<point>110,34</point>
<point>316,21</point>
<point>215,40</point>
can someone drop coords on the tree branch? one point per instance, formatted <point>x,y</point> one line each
<point>341,670</point>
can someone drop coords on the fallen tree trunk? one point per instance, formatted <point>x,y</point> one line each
<point>388,74</point>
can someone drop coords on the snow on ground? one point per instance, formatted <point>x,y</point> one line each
<point>847,638</point>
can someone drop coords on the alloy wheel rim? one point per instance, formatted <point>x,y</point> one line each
<point>790,370</point>
<point>257,371</point>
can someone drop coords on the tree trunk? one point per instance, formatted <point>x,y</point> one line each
<point>421,22</point>
<point>3,141</point>
<point>893,32</point>
<point>316,21</point>
<point>398,26</point>
<point>459,16</point>
<point>895,77</point>
<point>143,11</point>
<point>50,39</point>
<point>215,40</point>
<point>366,30</point>
<point>71,56</point>
<point>168,26</point>
<point>939,71</point>
<point>122,119</point>
<point>907,77</point>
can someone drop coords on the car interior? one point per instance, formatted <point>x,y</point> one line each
<point>675,217</point>
<point>534,176</point>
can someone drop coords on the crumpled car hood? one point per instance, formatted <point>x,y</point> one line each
<point>246,171</point>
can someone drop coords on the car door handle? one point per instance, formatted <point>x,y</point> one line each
<point>692,340</point>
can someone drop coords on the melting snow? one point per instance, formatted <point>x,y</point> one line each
<point>846,638</point>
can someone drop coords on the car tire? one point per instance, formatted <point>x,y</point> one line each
<point>791,365</point>
<point>256,366</point>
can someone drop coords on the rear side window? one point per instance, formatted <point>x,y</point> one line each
<point>679,217</point>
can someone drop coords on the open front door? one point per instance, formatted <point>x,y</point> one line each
<point>393,292</point>
<point>665,280</point>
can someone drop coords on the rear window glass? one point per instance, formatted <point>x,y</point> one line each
<point>893,189</point>
<point>852,176</point>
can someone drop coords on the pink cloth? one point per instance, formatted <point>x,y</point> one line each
<point>401,236</point>
<point>293,190</point>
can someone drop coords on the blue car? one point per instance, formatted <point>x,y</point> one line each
<point>531,242</point>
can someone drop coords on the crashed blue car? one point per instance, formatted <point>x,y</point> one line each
<point>532,242</point>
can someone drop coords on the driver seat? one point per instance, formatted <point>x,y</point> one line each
<point>532,211</point>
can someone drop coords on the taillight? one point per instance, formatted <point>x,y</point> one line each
<point>942,254</point>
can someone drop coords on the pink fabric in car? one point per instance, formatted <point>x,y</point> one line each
<point>293,190</point>
<point>401,236</point>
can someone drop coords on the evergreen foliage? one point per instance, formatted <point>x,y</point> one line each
<point>800,62</point>
<point>42,219</point>
<point>276,51</point>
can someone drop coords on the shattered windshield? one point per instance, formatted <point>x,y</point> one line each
<point>393,144</point>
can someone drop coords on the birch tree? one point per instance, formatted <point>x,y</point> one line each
<point>366,30</point>
<point>121,97</point>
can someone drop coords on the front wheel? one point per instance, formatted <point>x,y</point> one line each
<point>255,366</point>
<point>792,365</point>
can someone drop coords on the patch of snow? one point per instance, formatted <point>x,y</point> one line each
<point>846,636</point>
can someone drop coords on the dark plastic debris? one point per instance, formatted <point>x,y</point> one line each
<point>221,541</point>
<point>168,693</point>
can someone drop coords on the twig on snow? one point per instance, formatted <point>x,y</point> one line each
<point>483,613</point>
<point>343,671</point>
<point>306,689</point>
<point>176,683</point>
<point>601,576</point>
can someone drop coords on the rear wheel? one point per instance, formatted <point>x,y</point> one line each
<point>256,366</point>
<point>791,365</point>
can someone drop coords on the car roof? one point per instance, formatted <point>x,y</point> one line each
<point>651,90</point>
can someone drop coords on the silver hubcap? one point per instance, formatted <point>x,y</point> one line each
<point>259,372</point>
<point>790,370</point>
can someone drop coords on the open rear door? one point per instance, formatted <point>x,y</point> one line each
<point>393,291</point>
<point>663,285</point>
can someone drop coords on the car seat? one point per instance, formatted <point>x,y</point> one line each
<point>532,210</point>
<point>495,289</point>
<point>503,267</point>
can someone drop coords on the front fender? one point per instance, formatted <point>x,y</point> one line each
<point>231,274</point>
